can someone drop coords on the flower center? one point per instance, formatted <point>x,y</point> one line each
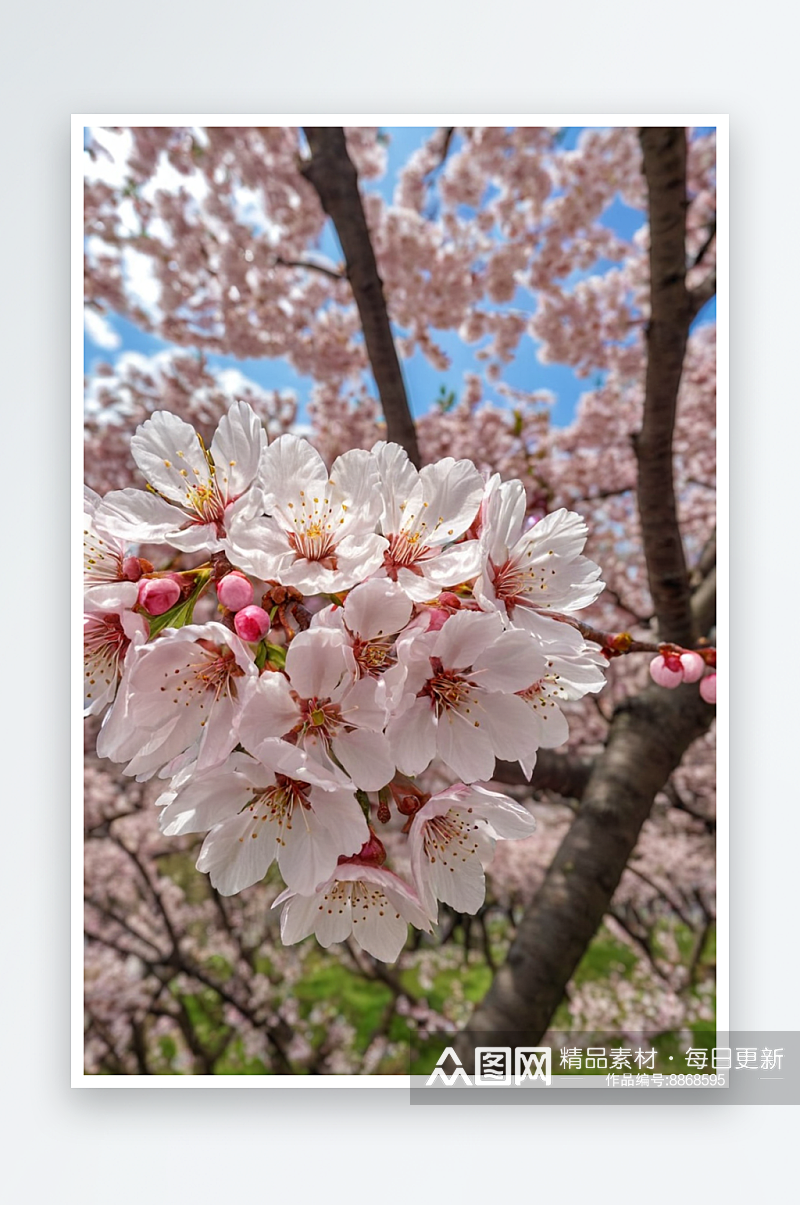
<point>447,689</point>
<point>404,550</point>
<point>320,716</point>
<point>105,645</point>
<point>442,831</point>
<point>373,657</point>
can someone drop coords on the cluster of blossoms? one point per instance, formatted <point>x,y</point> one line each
<point>370,619</point>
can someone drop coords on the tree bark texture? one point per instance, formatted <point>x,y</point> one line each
<point>332,173</point>
<point>671,313</point>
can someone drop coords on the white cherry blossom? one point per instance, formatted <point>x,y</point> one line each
<point>573,668</point>
<point>194,494</point>
<point>178,702</point>
<point>107,637</point>
<point>461,682</point>
<point>319,532</point>
<point>424,514</point>
<point>452,839</point>
<point>335,716</point>
<point>528,573</point>
<point>105,584</point>
<point>368,903</point>
<point>373,614</point>
<point>279,805</point>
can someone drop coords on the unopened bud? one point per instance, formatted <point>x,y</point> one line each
<point>693,667</point>
<point>448,599</point>
<point>408,805</point>
<point>158,594</point>
<point>131,569</point>
<point>663,675</point>
<point>234,591</point>
<point>437,618</point>
<point>708,689</point>
<point>251,623</point>
<point>372,852</point>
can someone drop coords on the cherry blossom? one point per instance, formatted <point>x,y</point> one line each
<point>278,805</point>
<point>109,579</point>
<point>196,493</point>
<point>452,839</point>
<point>333,715</point>
<point>318,533</point>
<point>179,694</point>
<point>107,637</point>
<point>368,903</point>
<point>424,514</point>
<point>461,706</point>
<point>531,572</point>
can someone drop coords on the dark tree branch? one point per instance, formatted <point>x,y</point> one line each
<point>704,603</point>
<point>712,234</point>
<point>331,172</point>
<point>664,152</point>
<point>563,773</point>
<point>649,735</point>
<point>301,263</point>
<point>703,293</point>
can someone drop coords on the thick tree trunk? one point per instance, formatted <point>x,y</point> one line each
<point>330,170</point>
<point>649,736</point>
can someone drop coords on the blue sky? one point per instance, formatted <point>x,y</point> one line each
<point>423,381</point>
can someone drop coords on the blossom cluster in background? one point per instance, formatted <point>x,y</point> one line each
<point>340,630</point>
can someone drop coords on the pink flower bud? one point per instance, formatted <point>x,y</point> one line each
<point>437,618</point>
<point>661,673</point>
<point>234,591</point>
<point>708,689</point>
<point>131,569</point>
<point>693,667</point>
<point>448,599</point>
<point>158,594</point>
<point>372,852</point>
<point>251,623</point>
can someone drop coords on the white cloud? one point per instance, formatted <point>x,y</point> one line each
<point>100,331</point>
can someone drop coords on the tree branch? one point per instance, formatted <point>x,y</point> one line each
<point>331,172</point>
<point>563,773</point>
<point>664,152</point>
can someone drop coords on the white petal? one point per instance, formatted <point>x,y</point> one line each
<point>412,737</point>
<point>140,517</point>
<point>268,711</point>
<point>237,853</point>
<point>376,608</point>
<point>236,449</point>
<point>170,455</point>
<point>290,465</point>
<point>366,757</point>
<point>509,727</point>
<point>466,748</point>
<point>315,662</point>
<point>398,480</point>
<point>355,484</point>
<point>452,490</point>
<point>298,918</point>
<point>510,663</point>
<point>464,637</point>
